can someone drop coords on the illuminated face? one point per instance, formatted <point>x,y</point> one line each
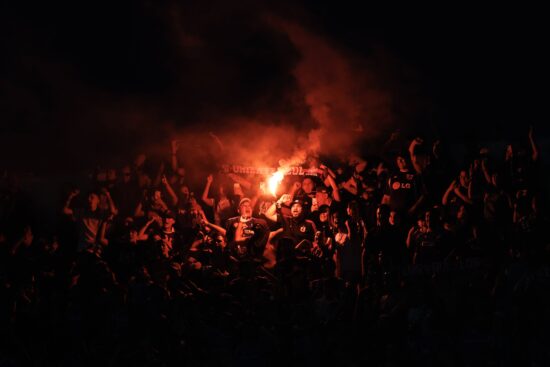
<point>93,201</point>
<point>401,163</point>
<point>220,241</point>
<point>322,197</point>
<point>157,196</point>
<point>169,222</point>
<point>133,236</point>
<point>245,210</point>
<point>308,185</point>
<point>323,217</point>
<point>184,190</point>
<point>296,210</point>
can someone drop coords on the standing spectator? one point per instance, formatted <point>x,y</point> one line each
<point>88,219</point>
<point>401,190</point>
<point>221,202</point>
<point>247,236</point>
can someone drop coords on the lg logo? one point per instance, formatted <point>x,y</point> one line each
<point>400,185</point>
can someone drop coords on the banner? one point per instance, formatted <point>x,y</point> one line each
<point>292,171</point>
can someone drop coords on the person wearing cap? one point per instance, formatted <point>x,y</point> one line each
<point>246,236</point>
<point>295,225</point>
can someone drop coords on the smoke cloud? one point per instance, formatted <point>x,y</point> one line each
<point>266,85</point>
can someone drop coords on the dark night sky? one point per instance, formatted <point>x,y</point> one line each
<point>85,79</point>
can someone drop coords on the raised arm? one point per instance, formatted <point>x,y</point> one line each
<point>67,208</point>
<point>215,227</point>
<point>534,150</point>
<point>208,201</point>
<point>419,202</point>
<point>450,189</point>
<point>464,198</point>
<point>103,240</point>
<point>272,234</point>
<point>332,183</point>
<point>348,228</point>
<point>271,212</point>
<point>142,235</point>
<point>329,171</point>
<point>485,171</point>
<point>112,207</point>
<point>170,191</point>
<point>408,241</point>
<point>350,186</point>
<point>386,197</point>
<point>139,212</point>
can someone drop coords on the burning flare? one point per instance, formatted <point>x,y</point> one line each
<point>274,181</point>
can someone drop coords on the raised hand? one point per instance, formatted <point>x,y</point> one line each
<point>285,199</point>
<point>174,144</point>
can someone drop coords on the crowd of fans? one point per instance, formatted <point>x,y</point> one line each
<point>402,258</point>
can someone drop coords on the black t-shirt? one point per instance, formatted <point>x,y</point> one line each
<point>255,233</point>
<point>297,228</point>
<point>402,190</point>
<point>88,225</point>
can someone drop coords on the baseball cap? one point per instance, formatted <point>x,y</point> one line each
<point>244,200</point>
<point>297,201</point>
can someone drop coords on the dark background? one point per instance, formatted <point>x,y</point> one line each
<point>84,81</point>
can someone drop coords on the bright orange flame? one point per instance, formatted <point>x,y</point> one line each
<point>274,181</point>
